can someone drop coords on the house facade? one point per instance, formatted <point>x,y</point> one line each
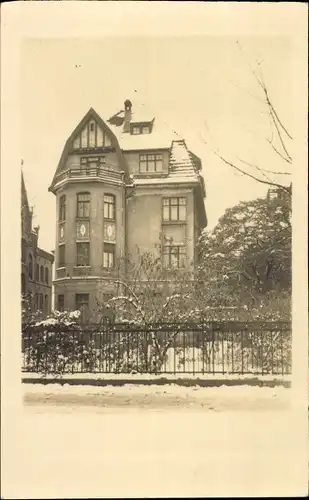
<point>123,186</point>
<point>36,264</point>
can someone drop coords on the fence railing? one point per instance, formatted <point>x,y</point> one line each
<point>212,347</point>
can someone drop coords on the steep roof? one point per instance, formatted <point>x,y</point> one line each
<point>24,196</point>
<point>68,145</point>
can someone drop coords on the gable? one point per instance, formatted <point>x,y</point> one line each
<point>91,136</point>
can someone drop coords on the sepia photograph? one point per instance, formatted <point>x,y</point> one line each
<point>158,348</point>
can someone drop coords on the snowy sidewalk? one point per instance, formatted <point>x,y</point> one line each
<point>156,397</point>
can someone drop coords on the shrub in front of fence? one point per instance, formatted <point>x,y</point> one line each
<point>57,346</point>
<point>214,347</point>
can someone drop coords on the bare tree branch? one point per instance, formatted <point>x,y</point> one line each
<point>270,183</point>
<point>288,160</point>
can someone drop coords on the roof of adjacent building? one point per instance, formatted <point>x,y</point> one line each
<point>46,255</point>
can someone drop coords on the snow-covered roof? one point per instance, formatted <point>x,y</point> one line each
<point>181,168</point>
<point>161,137</point>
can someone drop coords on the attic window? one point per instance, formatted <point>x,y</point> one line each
<point>136,130</point>
<point>92,127</point>
<point>91,160</point>
<point>145,130</point>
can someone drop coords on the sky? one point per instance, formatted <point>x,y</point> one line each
<point>202,86</point>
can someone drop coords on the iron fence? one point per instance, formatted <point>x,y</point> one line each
<point>232,347</point>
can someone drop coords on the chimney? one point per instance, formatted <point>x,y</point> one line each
<point>127,115</point>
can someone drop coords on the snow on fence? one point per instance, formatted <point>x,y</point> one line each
<point>217,347</point>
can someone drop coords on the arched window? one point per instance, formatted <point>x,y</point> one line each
<point>37,272</point>
<point>62,205</point>
<point>46,275</point>
<point>30,266</point>
<point>83,205</point>
<point>46,304</point>
<point>23,284</point>
<point>109,206</point>
<point>42,274</point>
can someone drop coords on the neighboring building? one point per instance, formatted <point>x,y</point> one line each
<point>36,264</point>
<point>280,193</point>
<point>122,184</point>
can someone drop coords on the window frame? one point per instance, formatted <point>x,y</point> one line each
<point>42,274</point>
<point>171,205</point>
<point>62,300</point>
<point>60,262</point>
<point>41,300</point>
<point>80,244</point>
<point>81,304</point>
<point>144,159</point>
<point>168,252</point>
<point>110,205</point>
<point>46,303</point>
<point>83,204</point>
<point>109,249</point>
<point>136,130</point>
<point>30,267</point>
<point>62,208</point>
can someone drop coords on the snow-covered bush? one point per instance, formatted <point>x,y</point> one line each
<point>56,345</point>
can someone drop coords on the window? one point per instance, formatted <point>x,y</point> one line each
<point>109,206</point>
<point>82,254</point>
<point>136,130</point>
<point>174,209</point>
<point>62,203</point>
<point>145,130</point>
<point>41,302</point>
<point>46,304</point>
<point>109,255</point>
<point>151,163</point>
<point>92,161</point>
<point>30,266</point>
<point>42,274</point>
<point>82,304</point>
<point>46,275</point>
<point>92,127</point>
<point>174,256</point>
<point>83,205</point>
<point>60,302</point>
<point>37,272</point>
<point>23,284</point>
<point>61,256</point>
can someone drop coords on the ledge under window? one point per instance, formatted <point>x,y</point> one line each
<point>174,222</point>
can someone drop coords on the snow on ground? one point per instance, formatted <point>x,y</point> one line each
<point>135,397</point>
<point>158,396</point>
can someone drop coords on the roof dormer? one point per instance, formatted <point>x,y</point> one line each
<point>137,128</point>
